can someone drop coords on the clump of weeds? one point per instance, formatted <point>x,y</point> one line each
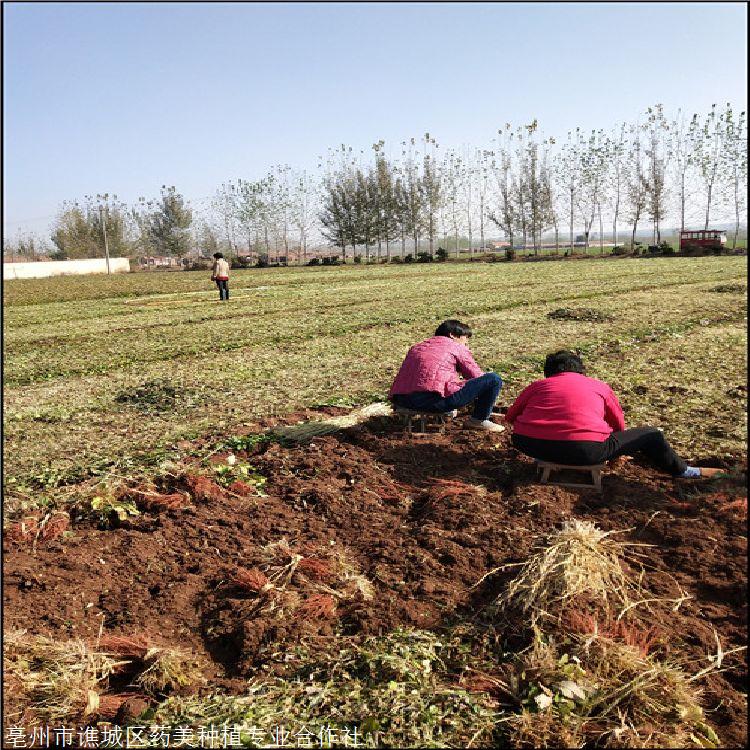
<point>387,691</point>
<point>579,562</point>
<point>157,395</point>
<point>581,313</point>
<point>730,288</point>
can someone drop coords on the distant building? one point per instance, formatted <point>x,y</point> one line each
<point>158,261</point>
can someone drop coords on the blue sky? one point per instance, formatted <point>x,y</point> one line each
<point>123,98</point>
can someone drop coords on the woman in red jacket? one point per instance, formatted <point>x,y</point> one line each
<point>428,379</point>
<point>569,418</point>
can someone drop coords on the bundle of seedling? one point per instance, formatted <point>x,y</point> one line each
<point>301,583</point>
<point>306,431</point>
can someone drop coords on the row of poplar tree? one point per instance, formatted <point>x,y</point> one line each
<point>685,170</point>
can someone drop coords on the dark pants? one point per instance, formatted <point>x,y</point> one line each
<point>646,440</point>
<point>223,285</point>
<point>483,391</point>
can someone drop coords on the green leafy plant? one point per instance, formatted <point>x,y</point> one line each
<point>248,442</point>
<point>112,511</point>
<point>229,473</point>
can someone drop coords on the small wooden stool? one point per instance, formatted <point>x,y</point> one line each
<point>596,474</point>
<point>410,415</point>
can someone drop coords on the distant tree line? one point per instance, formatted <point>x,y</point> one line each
<point>685,170</point>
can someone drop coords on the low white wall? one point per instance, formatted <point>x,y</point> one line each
<point>63,268</point>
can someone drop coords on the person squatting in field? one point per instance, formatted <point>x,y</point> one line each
<point>428,379</point>
<point>569,418</point>
<point>220,274</point>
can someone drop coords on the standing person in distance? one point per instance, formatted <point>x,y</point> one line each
<point>220,274</point>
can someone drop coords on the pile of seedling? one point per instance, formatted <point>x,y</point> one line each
<point>396,690</point>
<point>562,657</point>
<point>306,431</point>
<point>64,681</point>
<point>591,672</point>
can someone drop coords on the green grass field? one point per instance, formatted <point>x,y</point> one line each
<point>291,338</point>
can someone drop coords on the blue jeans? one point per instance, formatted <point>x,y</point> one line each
<point>483,391</point>
<point>223,285</point>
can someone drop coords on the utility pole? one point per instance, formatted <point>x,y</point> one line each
<point>104,232</point>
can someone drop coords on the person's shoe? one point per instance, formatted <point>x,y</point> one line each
<point>478,424</point>
<point>452,414</point>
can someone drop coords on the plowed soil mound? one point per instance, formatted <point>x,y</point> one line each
<point>422,518</point>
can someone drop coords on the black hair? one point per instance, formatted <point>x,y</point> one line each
<point>453,328</point>
<point>218,255</point>
<point>563,361</point>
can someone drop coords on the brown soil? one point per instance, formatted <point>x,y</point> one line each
<point>423,519</point>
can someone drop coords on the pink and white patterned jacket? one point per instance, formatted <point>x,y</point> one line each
<point>434,365</point>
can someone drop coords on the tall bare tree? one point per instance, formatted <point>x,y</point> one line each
<point>501,164</point>
<point>734,165</point>
<point>682,150</point>
<point>656,129</point>
<point>224,204</point>
<point>708,156</point>
<point>432,188</point>
<point>592,167</point>
<point>637,192</point>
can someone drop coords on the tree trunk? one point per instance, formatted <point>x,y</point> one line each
<point>481,222</point>
<point>571,219</point>
<point>614,228</point>
<point>601,231</point>
<point>736,211</point>
<point>682,202</point>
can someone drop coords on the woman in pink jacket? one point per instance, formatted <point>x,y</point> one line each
<point>428,379</point>
<point>569,418</point>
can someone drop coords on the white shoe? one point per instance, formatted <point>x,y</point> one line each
<point>476,424</point>
<point>452,414</point>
